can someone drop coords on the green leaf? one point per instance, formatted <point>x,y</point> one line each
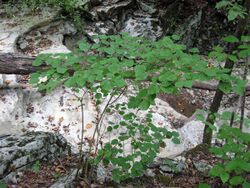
<point>244,53</point>
<point>194,50</point>
<point>61,70</point>
<point>243,46</point>
<point>176,140</point>
<point>204,185</point>
<point>176,37</point>
<point>218,49</point>
<point>233,58</point>
<point>114,67</point>
<point>167,77</point>
<point>36,167</point>
<point>116,175</point>
<point>140,72</point>
<point>129,63</point>
<point>217,151</point>
<point>138,166</point>
<point>232,165</point>
<point>106,85</point>
<point>246,184</point>
<point>3,185</point>
<point>109,129</point>
<point>216,171</point>
<point>108,146</point>
<point>239,87</point>
<point>245,38</point>
<point>184,83</point>
<point>37,62</point>
<point>84,46</point>
<point>224,177</point>
<point>114,142</point>
<point>222,4</point>
<point>226,115</point>
<point>236,180</point>
<point>128,116</point>
<point>226,87</point>
<point>144,105</point>
<point>219,56</point>
<point>110,51</point>
<point>231,39</point>
<point>119,82</point>
<point>153,89</point>
<point>34,79</point>
<point>232,15</point>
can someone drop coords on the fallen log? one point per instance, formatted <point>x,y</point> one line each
<point>16,64</point>
<point>19,64</point>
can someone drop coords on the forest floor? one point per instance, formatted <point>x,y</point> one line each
<point>46,173</point>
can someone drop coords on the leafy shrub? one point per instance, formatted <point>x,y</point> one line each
<point>67,5</point>
<point>3,185</point>
<point>233,152</point>
<point>145,139</point>
<point>235,155</point>
<point>151,67</point>
<point>233,8</point>
<point>36,167</point>
<point>114,59</point>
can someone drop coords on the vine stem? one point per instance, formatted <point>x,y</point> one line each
<point>82,135</point>
<point>85,166</point>
<point>111,103</point>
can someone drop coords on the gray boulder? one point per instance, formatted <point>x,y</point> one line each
<point>18,151</point>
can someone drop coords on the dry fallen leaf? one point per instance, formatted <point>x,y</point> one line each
<point>59,169</point>
<point>50,118</point>
<point>61,119</point>
<point>32,125</point>
<point>89,125</point>
<point>29,108</point>
<point>7,82</point>
<point>23,130</point>
<point>56,129</point>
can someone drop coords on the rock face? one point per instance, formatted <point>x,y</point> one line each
<point>162,114</point>
<point>110,8</point>
<point>192,133</point>
<point>11,29</point>
<point>60,111</point>
<point>17,151</point>
<point>46,39</point>
<point>57,112</point>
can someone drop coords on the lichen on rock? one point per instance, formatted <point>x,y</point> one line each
<point>18,151</point>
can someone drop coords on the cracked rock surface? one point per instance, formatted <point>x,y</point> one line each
<point>25,109</point>
<point>17,151</point>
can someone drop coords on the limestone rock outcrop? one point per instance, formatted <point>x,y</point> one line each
<point>18,151</point>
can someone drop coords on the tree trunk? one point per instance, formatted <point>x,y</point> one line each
<point>208,132</point>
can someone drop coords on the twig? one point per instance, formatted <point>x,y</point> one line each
<point>243,97</point>
<point>61,164</point>
<point>234,111</point>
<point>115,100</point>
<point>102,115</point>
<point>95,131</point>
<point>101,118</point>
<point>122,92</point>
<point>82,134</point>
